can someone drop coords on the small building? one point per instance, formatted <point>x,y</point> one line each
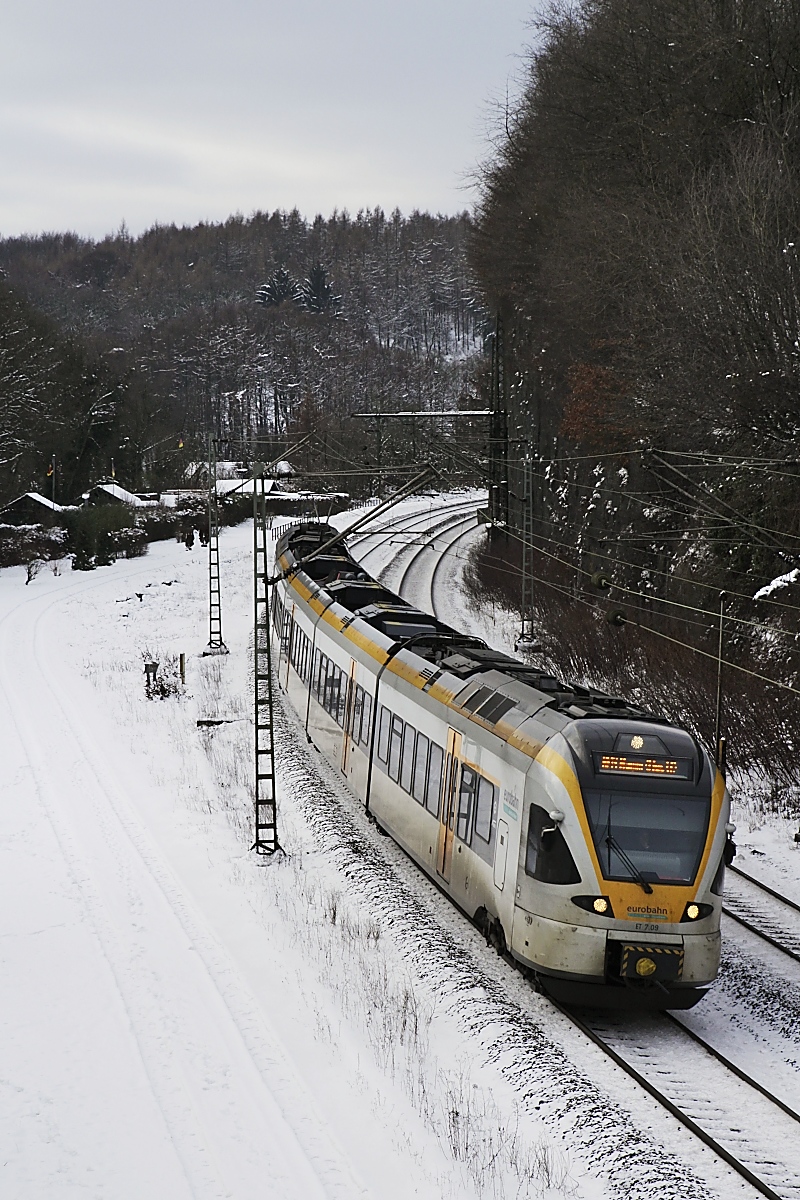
<point>32,509</point>
<point>196,473</point>
<point>110,492</point>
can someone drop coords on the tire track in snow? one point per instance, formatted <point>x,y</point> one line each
<point>133,903</point>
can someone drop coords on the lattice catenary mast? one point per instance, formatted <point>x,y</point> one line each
<point>215,643</point>
<point>266,814</point>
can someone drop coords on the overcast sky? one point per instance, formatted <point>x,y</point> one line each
<point>170,111</point>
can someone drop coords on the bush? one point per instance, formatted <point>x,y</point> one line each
<point>98,535</point>
<point>21,544</point>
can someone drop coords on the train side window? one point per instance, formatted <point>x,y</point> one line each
<point>344,684</point>
<point>302,655</point>
<point>278,615</point>
<point>356,713</point>
<point>407,762</point>
<point>718,886</point>
<point>383,734</point>
<point>330,683</point>
<point>484,810</point>
<point>466,795</point>
<point>365,719</point>
<point>338,693</point>
<point>315,674</point>
<point>420,768</point>
<point>395,744</point>
<point>547,856</point>
<point>434,788</point>
<point>322,675</point>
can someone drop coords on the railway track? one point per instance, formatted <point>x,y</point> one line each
<point>763,911</point>
<point>412,536</point>
<point>754,1131</point>
<point>745,1124</point>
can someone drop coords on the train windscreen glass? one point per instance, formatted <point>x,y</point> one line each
<point>657,837</point>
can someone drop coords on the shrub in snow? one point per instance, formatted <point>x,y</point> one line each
<point>98,535</point>
<point>22,544</point>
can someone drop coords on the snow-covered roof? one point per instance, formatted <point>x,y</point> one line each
<point>123,495</point>
<point>39,499</point>
<point>226,469</point>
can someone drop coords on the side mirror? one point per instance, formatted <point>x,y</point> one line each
<point>556,817</point>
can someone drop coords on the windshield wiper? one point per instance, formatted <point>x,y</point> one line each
<point>613,844</point>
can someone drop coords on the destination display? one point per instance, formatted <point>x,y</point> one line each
<point>630,764</point>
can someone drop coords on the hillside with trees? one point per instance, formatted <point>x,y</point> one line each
<point>638,233</point>
<point>255,328</point>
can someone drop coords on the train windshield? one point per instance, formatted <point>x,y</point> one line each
<point>655,838</point>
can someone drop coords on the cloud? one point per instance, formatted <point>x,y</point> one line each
<point>177,112</point>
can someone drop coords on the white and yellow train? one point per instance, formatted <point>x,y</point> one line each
<point>584,836</point>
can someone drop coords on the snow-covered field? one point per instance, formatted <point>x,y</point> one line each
<point>182,1019</point>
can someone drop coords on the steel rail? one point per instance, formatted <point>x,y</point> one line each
<point>731,1066</point>
<point>395,526</point>
<point>766,937</point>
<point>688,1122</point>
<point>431,543</point>
<point>447,521</point>
<point>764,887</point>
<point>440,562</point>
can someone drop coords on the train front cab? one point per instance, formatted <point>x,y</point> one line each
<point>621,863</point>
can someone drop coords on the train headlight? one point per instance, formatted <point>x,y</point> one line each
<point>695,911</point>
<point>599,905</point>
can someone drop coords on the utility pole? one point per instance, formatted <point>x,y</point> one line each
<point>266,813</point>
<point>215,643</point>
<point>498,432</point>
<point>719,740</point>
<point>526,638</point>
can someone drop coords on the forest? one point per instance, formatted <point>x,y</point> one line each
<point>638,234</point>
<point>127,353</point>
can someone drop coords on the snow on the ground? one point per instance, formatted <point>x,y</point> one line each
<point>180,1018</point>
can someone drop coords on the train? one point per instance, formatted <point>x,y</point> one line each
<point>586,837</point>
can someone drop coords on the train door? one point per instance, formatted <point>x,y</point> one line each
<point>447,811</point>
<point>501,855</point>
<point>290,644</point>
<point>348,715</point>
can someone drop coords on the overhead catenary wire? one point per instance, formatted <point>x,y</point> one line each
<point>678,641</point>
<point>650,598</point>
<point>653,570</point>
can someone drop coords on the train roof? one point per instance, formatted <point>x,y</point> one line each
<point>493,683</point>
